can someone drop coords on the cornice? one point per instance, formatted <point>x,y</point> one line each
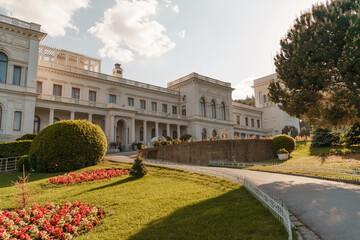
<point>23,31</point>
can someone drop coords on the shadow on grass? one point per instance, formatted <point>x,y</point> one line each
<point>122,181</point>
<point>234,215</point>
<point>7,178</point>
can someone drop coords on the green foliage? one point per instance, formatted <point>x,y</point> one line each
<point>185,137</point>
<point>352,135</point>
<point>138,169</point>
<point>24,160</point>
<point>324,137</point>
<point>27,136</point>
<point>318,65</point>
<point>283,141</point>
<point>250,101</point>
<point>282,150</point>
<point>290,129</point>
<point>68,145</point>
<point>15,149</point>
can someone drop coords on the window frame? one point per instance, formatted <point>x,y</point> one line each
<point>20,121</point>
<point>164,108</point>
<point>37,86</point>
<point>72,93</point>
<point>56,87</point>
<point>6,66</point>
<point>112,97</point>
<point>92,95</point>
<point>142,104</point>
<point>1,115</point>
<point>154,106</point>
<point>38,122</point>
<point>174,108</point>
<point>20,75</point>
<point>130,100</point>
<point>202,107</point>
<point>258,123</point>
<point>247,121</point>
<point>238,120</point>
<point>213,109</point>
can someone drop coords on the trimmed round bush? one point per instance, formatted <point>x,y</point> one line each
<point>24,160</point>
<point>27,136</point>
<point>283,141</point>
<point>68,145</point>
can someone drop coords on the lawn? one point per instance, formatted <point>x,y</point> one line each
<point>165,204</point>
<point>306,156</point>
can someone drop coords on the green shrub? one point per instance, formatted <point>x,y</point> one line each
<point>282,150</point>
<point>185,137</point>
<point>24,160</point>
<point>292,130</point>
<point>283,141</point>
<point>68,145</point>
<point>324,137</point>
<point>352,135</point>
<point>167,138</point>
<point>27,136</point>
<point>138,169</point>
<point>15,149</point>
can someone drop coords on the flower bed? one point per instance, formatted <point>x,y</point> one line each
<point>49,221</point>
<point>88,176</point>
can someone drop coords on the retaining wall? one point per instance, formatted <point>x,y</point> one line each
<point>201,153</point>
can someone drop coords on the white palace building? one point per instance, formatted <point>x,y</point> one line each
<point>40,85</point>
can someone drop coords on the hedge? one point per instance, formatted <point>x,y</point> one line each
<point>283,141</point>
<point>67,145</point>
<point>15,149</point>
<point>27,136</point>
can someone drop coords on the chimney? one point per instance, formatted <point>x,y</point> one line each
<point>117,70</point>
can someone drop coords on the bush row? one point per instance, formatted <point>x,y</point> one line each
<point>14,149</point>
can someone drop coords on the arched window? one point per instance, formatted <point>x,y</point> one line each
<point>202,108</point>
<point>222,111</point>
<point>203,134</point>
<point>55,120</point>
<point>174,135</point>
<point>1,114</point>
<point>36,124</point>
<point>141,134</point>
<point>153,133</point>
<point>214,133</point>
<point>3,67</point>
<point>213,109</point>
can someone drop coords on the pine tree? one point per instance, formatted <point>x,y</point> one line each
<point>24,197</point>
<point>138,169</point>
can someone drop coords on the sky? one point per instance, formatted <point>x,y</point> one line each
<point>158,41</point>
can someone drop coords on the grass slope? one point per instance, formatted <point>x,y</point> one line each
<point>305,155</point>
<point>165,204</point>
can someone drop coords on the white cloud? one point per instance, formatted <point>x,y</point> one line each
<point>53,15</point>
<point>175,9</point>
<point>243,88</point>
<point>182,34</point>
<point>127,28</point>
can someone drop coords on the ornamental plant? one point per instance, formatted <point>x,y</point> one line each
<point>138,169</point>
<point>67,145</point>
<point>282,151</point>
<point>283,141</point>
<point>49,221</point>
<point>88,176</point>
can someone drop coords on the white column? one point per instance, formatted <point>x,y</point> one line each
<point>178,131</point>
<point>112,128</point>
<point>107,126</point>
<point>51,116</point>
<point>168,129</point>
<point>132,139</point>
<point>156,129</point>
<point>90,117</point>
<point>72,115</point>
<point>145,130</point>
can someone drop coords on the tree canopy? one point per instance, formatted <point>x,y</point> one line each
<point>318,65</point>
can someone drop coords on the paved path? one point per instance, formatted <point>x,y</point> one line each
<point>331,209</point>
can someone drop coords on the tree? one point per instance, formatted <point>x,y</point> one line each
<point>290,130</point>
<point>318,65</point>
<point>250,101</point>
<point>138,169</point>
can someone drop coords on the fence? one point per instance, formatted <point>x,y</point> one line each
<point>8,164</point>
<point>352,174</point>
<point>276,207</point>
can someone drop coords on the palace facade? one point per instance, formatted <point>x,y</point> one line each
<point>40,85</point>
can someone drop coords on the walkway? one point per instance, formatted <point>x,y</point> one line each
<point>331,209</point>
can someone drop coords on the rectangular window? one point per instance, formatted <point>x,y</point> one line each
<point>153,106</point>
<point>57,90</point>
<point>112,98</point>
<point>246,121</point>
<point>183,110</point>
<point>130,101</point>
<point>252,123</point>
<point>17,121</point>
<point>3,71</point>
<point>92,96</point>
<point>75,93</point>
<point>174,110</point>
<point>142,104</point>
<point>258,123</point>
<point>39,87</point>
<point>237,119</point>
<point>17,75</point>
<point>164,108</point>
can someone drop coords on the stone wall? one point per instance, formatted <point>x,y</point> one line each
<point>201,153</point>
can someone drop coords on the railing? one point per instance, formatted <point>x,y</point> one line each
<point>276,207</point>
<point>8,164</point>
<point>216,163</point>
